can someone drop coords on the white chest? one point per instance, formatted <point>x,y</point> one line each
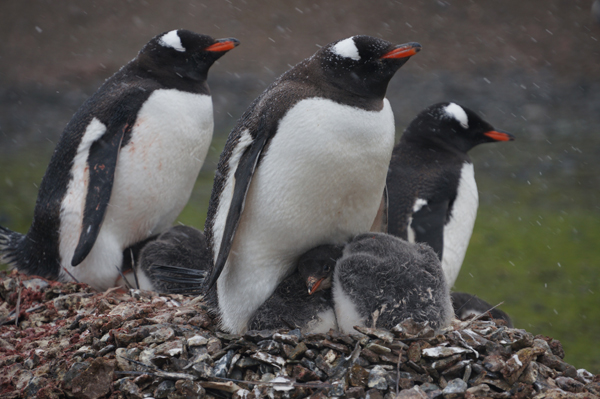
<point>153,180</point>
<point>459,228</point>
<point>157,169</point>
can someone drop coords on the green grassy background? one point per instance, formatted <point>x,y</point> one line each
<point>535,245</point>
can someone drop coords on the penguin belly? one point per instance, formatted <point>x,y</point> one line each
<point>155,174</point>
<point>320,181</point>
<point>458,229</point>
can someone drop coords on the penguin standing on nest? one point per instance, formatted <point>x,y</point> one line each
<point>432,194</point>
<point>124,166</point>
<point>305,166</point>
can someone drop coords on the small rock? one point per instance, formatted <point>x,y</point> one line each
<point>413,393</point>
<point>358,376</point>
<point>569,384</point>
<point>186,389</point>
<point>377,378</point>
<point>94,382</point>
<point>197,340</point>
<point>455,389</point>
<point>442,351</point>
<point>298,351</point>
<point>128,387</point>
<point>164,389</point>
<point>286,338</point>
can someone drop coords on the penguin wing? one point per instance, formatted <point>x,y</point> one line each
<point>242,179</point>
<point>102,163</point>
<point>428,225</point>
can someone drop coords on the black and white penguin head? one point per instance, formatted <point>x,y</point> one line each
<point>316,266</point>
<point>183,53</point>
<point>456,125</point>
<point>364,65</point>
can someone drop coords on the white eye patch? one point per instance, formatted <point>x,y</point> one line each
<point>171,39</point>
<point>455,111</point>
<point>346,48</point>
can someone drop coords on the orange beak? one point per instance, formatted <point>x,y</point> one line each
<point>223,45</point>
<point>313,284</point>
<point>403,51</point>
<point>499,135</point>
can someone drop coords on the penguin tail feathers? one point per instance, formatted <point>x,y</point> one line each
<point>9,246</point>
<point>175,279</point>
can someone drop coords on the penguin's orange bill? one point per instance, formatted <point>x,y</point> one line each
<point>499,136</point>
<point>403,51</point>
<point>313,284</point>
<point>225,45</point>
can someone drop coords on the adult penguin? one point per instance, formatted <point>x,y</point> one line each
<point>124,166</point>
<point>432,193</point>
<point>305,166</point>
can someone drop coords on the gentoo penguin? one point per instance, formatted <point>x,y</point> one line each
<point>125,164</point>
<point>303,300</point>
<point>176,262</point>
<point>304,166</point>
<point>466,305</point>
<point>381,280</point>
<point>432,194</point>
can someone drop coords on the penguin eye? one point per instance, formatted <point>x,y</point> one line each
<point>327,268</point>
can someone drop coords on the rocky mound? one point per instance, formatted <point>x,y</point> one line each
<point>65,340</point>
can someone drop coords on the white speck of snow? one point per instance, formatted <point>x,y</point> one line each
<point>346,48</point>
<point>38,29</point>
<point>171,39</point>
<point>455,111</point>
<point>516,358</point>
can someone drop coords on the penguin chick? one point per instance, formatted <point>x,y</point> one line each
<point>303,299</point>
<point>381,280</point>
<point>124,166</point>
<point>466,305</point>
<point>432,194</point>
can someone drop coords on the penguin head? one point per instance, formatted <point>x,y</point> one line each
<point>454,125</point>
<point>363,65</point>
<point>316,266</point>
<point>183,53</point>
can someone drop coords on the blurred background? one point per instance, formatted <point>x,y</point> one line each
<point>528,67</point>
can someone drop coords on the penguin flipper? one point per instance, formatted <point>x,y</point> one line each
<point>102,163</point>
<point>243,177</point>
<point>428,225</point>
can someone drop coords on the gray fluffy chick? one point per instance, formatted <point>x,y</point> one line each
<point>381,280</point>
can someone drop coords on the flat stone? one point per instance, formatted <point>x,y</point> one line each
<point>358,376</point>
<point>197,340</point>
<point>442,351</point>
<point>377,378</point>
<point>286,338</point>
<point>455,389</point>
<point>412,393</point>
